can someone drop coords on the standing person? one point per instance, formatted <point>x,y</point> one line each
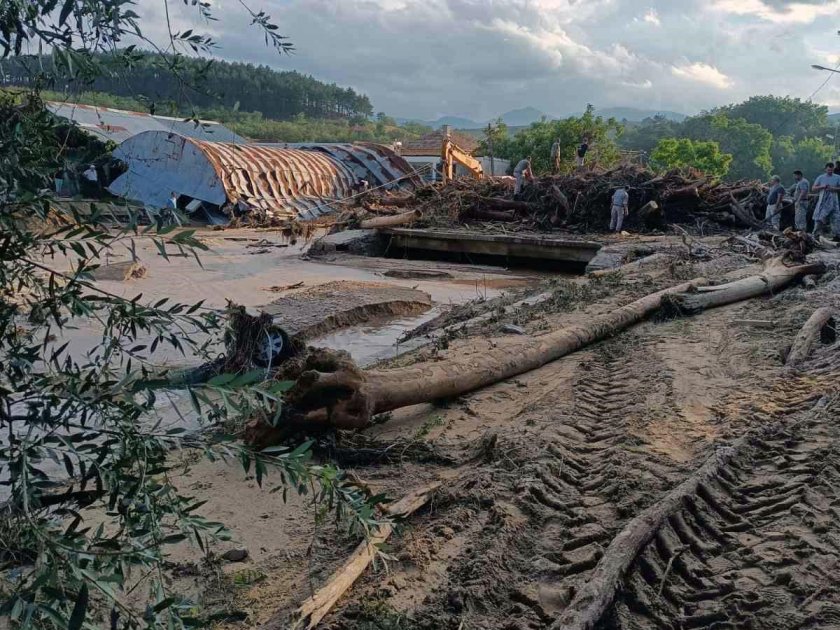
<point>171,215</point>
<point>775,197</point>
<point>555,157</point>
<point>619,209</point>
<point>827,209</point>
<point>581,151</point>
<point>58,179</point>
<point>91,180</point>
<point>522,170</point>
<point>801,188</point>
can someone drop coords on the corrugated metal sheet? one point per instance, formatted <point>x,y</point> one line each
<point>376,163</point>
<point>119,125</point>
<point>283,182</point>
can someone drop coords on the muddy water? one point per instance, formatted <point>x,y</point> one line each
<point>243,266</point>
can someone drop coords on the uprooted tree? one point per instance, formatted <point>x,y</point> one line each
<point>331,392</point>
<point>87,506</point>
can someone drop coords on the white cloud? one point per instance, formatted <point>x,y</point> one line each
<point>779,12</point>
<point>702,73</point>
<point>650,17</point>
<point>642,85</point>
<point>479,58</point>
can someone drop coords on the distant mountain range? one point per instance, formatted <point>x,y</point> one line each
<point>526,115</point>
<point>634,114</point>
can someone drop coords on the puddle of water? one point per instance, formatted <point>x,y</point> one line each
<point>373,342</point>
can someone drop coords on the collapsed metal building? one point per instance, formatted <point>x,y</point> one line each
<point>278,182</point>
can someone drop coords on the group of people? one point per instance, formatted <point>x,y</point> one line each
<point>826,186</point>
<point>826,209</point>
<point>523,169</point>
<point>557,157</point>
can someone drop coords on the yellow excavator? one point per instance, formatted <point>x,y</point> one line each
<point>451,154</point>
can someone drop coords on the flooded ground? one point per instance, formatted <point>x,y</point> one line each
<point>252,268</point>
<point>541,471</point>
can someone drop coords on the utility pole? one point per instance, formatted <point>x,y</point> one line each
<point>489,133</point>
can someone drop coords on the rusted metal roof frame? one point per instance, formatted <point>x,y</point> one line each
<point>307,181</point>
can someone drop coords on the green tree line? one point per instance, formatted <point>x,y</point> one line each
<point>257,126</point>
<point>764,134</point>
<point>748,140</point>
<point>199,84</point>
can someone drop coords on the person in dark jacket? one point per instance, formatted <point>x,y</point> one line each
<point>581,151</point>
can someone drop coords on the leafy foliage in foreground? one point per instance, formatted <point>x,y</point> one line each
<point>88,504</point>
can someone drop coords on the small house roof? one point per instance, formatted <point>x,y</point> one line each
<point>431,143</point>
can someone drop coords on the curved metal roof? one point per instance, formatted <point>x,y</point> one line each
<point>304,181</point>
<point>282,182</point>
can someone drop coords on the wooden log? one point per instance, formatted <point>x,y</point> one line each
<point>759,323</point>
<point>400,201</point>
<point>776,276</point>
<point>820,327</point>
<point>397,219</point>
<point>596,596</point>
<point>763,252</point>
<point>507,204</point>
<point>560,197</point>
<point>744,215</point>
<point>348,398</point>
<point>651,208</point>
<point>688,191</point>
<point>659,258</point>
<point>490,215</point>
<point>314,609</point>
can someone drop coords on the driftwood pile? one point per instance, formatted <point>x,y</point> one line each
<point>582,201</point>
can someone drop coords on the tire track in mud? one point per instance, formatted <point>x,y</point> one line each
<point>541,512</point>
<point>758,547</point>
<point>594,474</point>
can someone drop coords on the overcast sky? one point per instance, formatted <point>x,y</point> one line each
<point>479,58</point>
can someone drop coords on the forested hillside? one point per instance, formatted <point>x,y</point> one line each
<point>764,134</point>
<point>234,85</point>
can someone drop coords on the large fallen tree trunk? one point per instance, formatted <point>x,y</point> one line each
<point>346,397</point>
<point>776,276</point>
<point>397,219</point>
<point>591,602</point>
<point>820,326</point>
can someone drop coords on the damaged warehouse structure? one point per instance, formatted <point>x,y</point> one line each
<point>269,183</point>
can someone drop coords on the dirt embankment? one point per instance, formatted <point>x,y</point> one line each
<point>321,309</point>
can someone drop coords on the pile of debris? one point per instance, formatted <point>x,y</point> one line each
<point>581,201</point>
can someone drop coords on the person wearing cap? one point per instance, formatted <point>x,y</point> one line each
<point>775,196</point>
<point>801,188</point>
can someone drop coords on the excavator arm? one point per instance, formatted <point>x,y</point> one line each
<point>451,154</point>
